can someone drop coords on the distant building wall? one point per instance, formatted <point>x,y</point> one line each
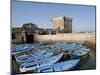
<point>24,34</point>
<point>67,37</point>
<point>23,38</point>
<point>62,23</point>
<point>58,23</point>
<point>68,24</point>
<point>17,38</point>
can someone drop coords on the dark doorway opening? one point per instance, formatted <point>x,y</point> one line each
<point>58,28</point>
<point>23,40</point>
<point>13,36</point>
<point>30,38</point>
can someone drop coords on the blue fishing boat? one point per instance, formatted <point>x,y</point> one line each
<point>82,52</point>
<point>62,66</point>
<point>41,63</point>
<point>35,56</point>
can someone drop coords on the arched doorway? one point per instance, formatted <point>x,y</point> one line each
<point>30,38</point>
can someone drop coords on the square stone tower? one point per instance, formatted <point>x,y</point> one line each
<point>62,23</point>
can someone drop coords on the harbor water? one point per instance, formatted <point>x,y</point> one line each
<point>90,62</point>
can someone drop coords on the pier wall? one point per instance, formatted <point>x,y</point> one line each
<point>68,37</point>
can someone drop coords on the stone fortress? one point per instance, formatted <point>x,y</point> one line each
<point>62,23</point>
<point>27,32</point>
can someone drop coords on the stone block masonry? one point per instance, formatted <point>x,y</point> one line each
<point>67,37</point>
<point>62,23</point>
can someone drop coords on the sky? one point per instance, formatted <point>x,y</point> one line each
<point>84,16</point>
